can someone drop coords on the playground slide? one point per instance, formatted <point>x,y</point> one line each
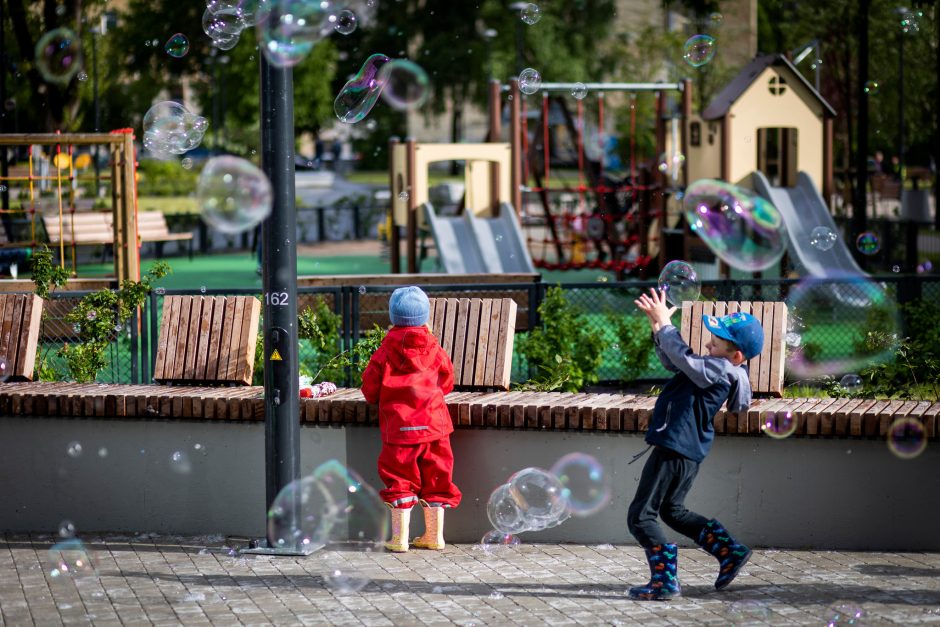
<point>803,209</point>
<point>468,244</point>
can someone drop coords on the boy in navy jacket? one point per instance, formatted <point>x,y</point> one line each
<point>681,433</point>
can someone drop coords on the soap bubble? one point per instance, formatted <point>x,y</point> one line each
<point>579,91</point>
<point>496,542</point>
<point>333,506</point>
<point>868,243</point>
<point>895,268</point>
<point>907,438</point>
<point>70,558</point>
<point>288,29</point>
<point>404,196</point>
<point>530,81</point>
<point>822,238</point>
<point>539,494</point>
<point>848,305</point>
<point>671,164</point>
<point>66,529</point>
<point>345,581</point>
<point>699,50</point>
<point>404,84</point>
<point>743,229</point>
<point>74,449</point>
<point>82,76</point>
<point>715,18</point>
<point>362,289</point>
<point>871,87</point>
<point>910,21</point>
<point>59,55</point>
<point>748,612</point>
<point>531,13</point>
<point>234,195</point>
<point>778,424</point>
<point>223,21</point>
<point>169,129</point>
<point>504,512</point>
<point>850,382</point>
<point>225,42</point>
<point>679,282</point>
<point>179,463</point>
<point>177,46</point>
<point>186,163</point>
<point>358,95</point>
<point>844,614</point>
<point>344,22</point>
<point>248,10</point>
<point>793,339</point>
<point>586,484</point>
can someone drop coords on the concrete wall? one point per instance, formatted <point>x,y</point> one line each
<point>835,494</point>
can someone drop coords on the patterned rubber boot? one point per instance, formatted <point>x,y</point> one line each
<point>433,537</point>
<point>401,520</point>
<point>731,555</point>
<point>664,581</point>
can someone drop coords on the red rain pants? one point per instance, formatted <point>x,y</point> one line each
<point>418,471</point>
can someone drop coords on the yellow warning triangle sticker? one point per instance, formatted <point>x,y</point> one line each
<point>276,356</point>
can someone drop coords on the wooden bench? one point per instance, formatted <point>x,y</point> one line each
<point>765,370</point>
<point>478,335</point>
<point>152,227</point>
<point>20,318</point>
<point>207,340</point>
<point>97,228</point>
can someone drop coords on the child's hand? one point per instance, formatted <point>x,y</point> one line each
<point>655,308</point>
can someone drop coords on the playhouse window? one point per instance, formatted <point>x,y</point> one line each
<point>777,85</point>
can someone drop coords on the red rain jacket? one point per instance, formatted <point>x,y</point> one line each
<point>408,377</point>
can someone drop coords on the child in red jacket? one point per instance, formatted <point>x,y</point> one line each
<point>408,376</point>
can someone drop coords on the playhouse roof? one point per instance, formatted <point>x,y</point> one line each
<point>721,103</point>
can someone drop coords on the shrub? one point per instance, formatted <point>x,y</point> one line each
<point>634,343</point>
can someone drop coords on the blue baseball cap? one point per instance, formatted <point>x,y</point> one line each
<point>742,329</point>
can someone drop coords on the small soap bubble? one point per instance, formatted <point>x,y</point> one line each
<point>671,164</point>
<point>70,558</point>
<point>91,315</point>
<point>910,21</point>
<point>289,29</point>
<point>3,188</point>
<point>357,97</point>
<point>496,542</point>
<point>907,438</point>
<point>793,339</point>
<point>159,291</point>
<point>868,243</point>
<point>102,452</point>
<point>186,163</point>
<point>82,76</point>
<point>530,81</point>
<point>586,485</point>
<point>844,614</point>
<point>179,463</point>
<point>746,231</point>
<point>66,529</point>
<point>74,449</point>
<point>778,424</point>
<point>199,447</point>
<point>699,50</point>
<point>715,18</point>
<point>177,46</point>
<point>234,194</point>
<point>202,289</point>
<point>895,268</point>
<point>531,14</point>
<point>77,328</point>
<point>59,55</point>
<point>851,382</point>
<point>362,289</point>
<point>679,282</point>
<point>345,580</point>
<point>871,87</point>
<point>405,84</point>
<point>822,238</point>
<point>371,125</point>
<point>345,22</point>
<point>603,278</point>
<point>404,196</point>
<point>579,91</point>
<point>498,237</point>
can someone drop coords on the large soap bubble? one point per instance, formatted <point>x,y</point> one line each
<point>849,322</point>
<point>169,129</point>
<point>585,482</point>
<point>743,229</point>
<point>288,29</point>
<point>357,97</point>
<point>680,283</point>
<point>224,21</point>
<point>59,55</point>
<point>234,195</point>
<point>70,558</point>
<point>504,512</point>
<point>699,50</point>
<point>530,81</point>
<point>540,496</point>
<point>405,84</point>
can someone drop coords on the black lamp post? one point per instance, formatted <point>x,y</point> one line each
<point>902,31</point>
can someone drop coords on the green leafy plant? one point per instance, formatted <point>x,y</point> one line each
<point>634,343</point>
<point>565,348</point>
<point>47,276</point>
<point>99,318</point>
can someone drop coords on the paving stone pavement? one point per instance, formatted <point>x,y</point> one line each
<point>163,580</point>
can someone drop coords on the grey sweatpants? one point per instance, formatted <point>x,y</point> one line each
<point>666,480</point>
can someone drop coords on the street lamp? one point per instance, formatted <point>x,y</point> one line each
<point>902,12</point>
<point>519,7</point>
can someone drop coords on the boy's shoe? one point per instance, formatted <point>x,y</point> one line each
<point>401,520</point>
<point>664,580</point>
<point>433,537</point>
<point>731,555</point>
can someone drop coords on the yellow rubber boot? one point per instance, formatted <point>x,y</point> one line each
<point>401,520</point>
<point>433,537</point>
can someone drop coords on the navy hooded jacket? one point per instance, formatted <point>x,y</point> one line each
<point>682,417</point>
